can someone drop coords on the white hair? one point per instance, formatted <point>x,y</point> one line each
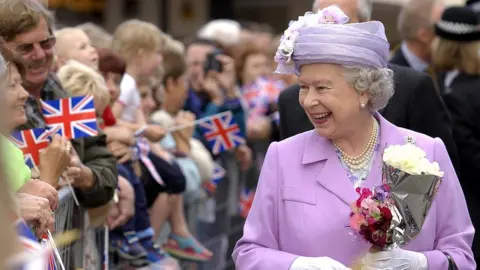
<point>377,83</point>
<point>225,32</point>
<point>364,9</point>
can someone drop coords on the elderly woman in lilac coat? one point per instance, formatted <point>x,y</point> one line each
<point>301,209</point>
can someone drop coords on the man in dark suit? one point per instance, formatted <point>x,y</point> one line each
<point>415,105</point>
<point>415,25</point>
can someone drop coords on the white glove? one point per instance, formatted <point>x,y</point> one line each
<point>317,263</point>
<point>396,259</point>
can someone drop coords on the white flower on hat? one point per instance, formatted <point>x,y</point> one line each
<point>330,15</point>
<point>333,15</point>
<point>287,45</point>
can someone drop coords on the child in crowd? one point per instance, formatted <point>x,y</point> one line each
<point>133,240</point>
<point>74,44</point>
<point>174,96</point>
<point>165,206</point>
<point>141,45</point>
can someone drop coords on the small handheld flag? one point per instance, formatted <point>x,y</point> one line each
<point>29,244</point>
<point>246,201</point>
<point>31,141</point>
<point>72,117</point>
<point>49,256</point>
<point>218,174</point>
<point>221,132</point>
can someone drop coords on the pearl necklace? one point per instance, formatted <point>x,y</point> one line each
<point>356,163</point>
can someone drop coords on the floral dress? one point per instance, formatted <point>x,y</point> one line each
<point>357,177</point>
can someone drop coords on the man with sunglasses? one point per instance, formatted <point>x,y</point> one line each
<point>27,28</point>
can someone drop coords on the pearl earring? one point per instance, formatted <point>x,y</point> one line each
<point>362,105</point>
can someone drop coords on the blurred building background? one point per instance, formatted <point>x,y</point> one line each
<point>182,18</point>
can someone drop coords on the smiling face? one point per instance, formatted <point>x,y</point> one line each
<point>16,96</point>
<point>36,49</point>
<point>330,103</point>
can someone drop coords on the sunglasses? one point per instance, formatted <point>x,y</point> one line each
<point>45,44</point>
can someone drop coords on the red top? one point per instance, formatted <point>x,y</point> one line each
<point>108,118</point>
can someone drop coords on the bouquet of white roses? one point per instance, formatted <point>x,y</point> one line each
<point>411,182</point>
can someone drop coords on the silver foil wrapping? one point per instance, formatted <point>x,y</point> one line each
<point>413,195</point>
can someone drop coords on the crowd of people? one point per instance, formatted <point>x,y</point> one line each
<point>151,159</point>
<point>144,83</point>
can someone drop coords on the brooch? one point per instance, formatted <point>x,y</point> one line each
<point>410,139</point>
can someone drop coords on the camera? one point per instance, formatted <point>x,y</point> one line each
<point>212,63</point>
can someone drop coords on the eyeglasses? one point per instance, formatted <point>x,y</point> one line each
<point>45,44</point>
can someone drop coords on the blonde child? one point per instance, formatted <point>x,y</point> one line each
<point>134,240</point>
<point>74,44</point>
<point>81,80</point>
<point>141,45</point>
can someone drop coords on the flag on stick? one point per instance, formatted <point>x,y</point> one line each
<point>72,117</point>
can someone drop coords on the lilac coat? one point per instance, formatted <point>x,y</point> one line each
<point>301,207</point>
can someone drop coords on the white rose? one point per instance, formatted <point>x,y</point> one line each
<point>286,47</point>
<point>297,24</point>
<point>313,19</point>
<point>410,159</point>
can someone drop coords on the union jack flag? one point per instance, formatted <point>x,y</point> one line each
<point>50,258</point>
<point>72,117</point>
<point>218,174</point>
<point>271,87</point>
<point>221,132</point>
<point>264,88</point>
<point>30,246</point>
<point>31,141</point>
<point>246,200</point>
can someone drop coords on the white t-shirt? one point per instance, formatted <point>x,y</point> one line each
<point>129,98</point>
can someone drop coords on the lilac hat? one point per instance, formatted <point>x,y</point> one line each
<point>324,37</point>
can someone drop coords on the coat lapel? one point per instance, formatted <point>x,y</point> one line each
<point>332,176</point>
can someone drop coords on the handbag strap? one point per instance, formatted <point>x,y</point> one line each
<point>451,262</point>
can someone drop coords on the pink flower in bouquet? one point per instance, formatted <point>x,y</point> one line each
<point>364,193</point>
<point>356,221</point>
<point>354,208</point>
<point>371,205</point>
<point>371,217</point>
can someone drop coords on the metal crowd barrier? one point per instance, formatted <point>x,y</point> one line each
<point>64,221</point>
<point>84,253</point>
<point>219,235</point>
